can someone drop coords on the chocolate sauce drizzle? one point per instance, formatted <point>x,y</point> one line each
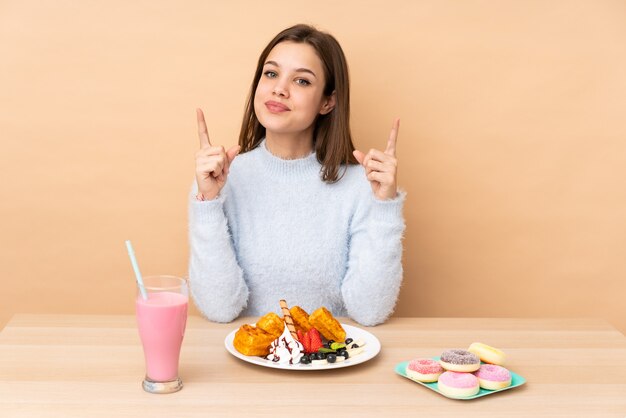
<point>273,348</point>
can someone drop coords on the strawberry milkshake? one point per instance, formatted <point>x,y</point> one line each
<point>161,320</point>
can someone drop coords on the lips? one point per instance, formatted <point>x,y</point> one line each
<point>276,107</point>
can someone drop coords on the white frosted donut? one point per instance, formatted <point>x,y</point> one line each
<point>487,353</point>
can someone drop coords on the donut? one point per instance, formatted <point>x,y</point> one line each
<point>459,361</point>
<point>487,354</point>
<point>423,370</point>
<point>458,385</point>
<point>492,377</point>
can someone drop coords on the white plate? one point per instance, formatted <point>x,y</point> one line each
<point>370,350</point>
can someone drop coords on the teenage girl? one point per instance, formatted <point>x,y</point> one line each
<point>293,211</point>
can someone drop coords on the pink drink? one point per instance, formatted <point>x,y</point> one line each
<point>161,320</point>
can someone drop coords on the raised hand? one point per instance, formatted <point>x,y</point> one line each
<point>381,167</point>
<point>212,163</point>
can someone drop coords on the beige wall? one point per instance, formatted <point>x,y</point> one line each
<point>512,146</point>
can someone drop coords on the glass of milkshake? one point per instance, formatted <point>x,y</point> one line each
<point>161,319</point>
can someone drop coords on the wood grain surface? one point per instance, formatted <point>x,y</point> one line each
<point>92,366</point>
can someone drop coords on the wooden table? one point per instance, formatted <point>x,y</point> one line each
<point>92,366</point>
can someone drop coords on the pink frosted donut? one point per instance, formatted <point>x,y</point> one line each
<point>424,370</point>
<point>458,385</point>
<point>493,377</point>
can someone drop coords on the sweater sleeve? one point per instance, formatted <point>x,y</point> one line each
<point>216,280</point>
<point>372,281</point>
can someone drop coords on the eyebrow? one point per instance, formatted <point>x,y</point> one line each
<point>298,70</point>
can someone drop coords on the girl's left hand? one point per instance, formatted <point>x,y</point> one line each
<point>381,167</point>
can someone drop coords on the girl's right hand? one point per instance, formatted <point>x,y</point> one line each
<point>212,163</point>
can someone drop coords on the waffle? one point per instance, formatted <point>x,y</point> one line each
<point>327,325</point>
<point>300,318</point>
<point>252,341</point>
<point>272,324</point>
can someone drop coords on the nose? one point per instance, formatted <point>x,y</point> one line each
<point>280,89</point>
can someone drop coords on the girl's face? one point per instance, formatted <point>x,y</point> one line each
<point>290,93</point>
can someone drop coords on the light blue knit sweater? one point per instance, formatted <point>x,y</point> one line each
<point>277,231</point>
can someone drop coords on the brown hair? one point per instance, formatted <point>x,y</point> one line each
<point>331,137</point>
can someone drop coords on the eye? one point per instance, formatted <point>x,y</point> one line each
<point>303,82</point>
<point>270,74</point>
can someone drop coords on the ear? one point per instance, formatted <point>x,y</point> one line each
<point>328,104</point>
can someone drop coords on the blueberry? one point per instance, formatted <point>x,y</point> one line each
<point>344,354</point>
<point>320,356</point>
<point>349,340</point>
<point>330,342</point>
<point>341,351</point>
<point>354,346</point>
<point>312,356</point>
<point>331,358</point>
<point>305,360</point>
<point>327,345</point>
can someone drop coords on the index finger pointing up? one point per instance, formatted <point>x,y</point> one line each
<point>393,138</point>
<point>203,134</point>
